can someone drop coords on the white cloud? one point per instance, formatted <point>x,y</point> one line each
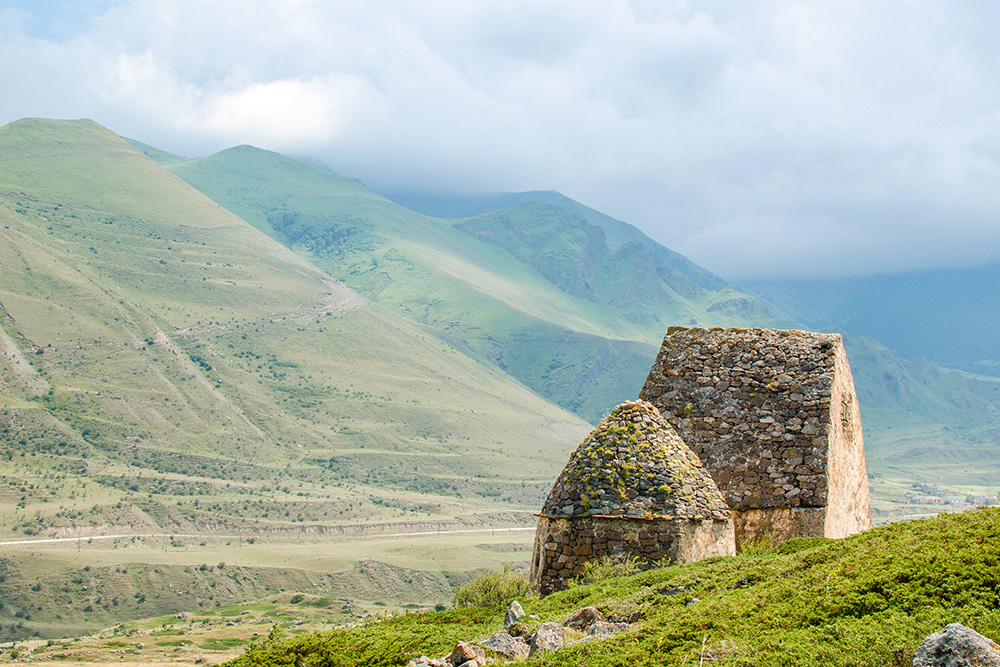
<point>763,138</point>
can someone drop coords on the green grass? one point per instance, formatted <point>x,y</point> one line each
<point>866,600</point>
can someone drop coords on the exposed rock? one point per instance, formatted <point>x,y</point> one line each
<point>510,648</point>
<point>424,661</point>
<point>548,637</point>
<point>581,619</point>
<point>463,654</point>
<point>605,629</point>
<point>957,646</point>
<point>514,613</point>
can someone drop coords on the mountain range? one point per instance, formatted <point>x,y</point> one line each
<point>947,316</point>
<point>245,344</point>
<point>534,288</point>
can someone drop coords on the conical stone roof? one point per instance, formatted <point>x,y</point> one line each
<point>635,465</point>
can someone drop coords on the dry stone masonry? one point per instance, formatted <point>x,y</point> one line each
<point>775,419</point>
<point>631,489</point>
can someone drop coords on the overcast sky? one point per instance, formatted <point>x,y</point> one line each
<point>766,138</point>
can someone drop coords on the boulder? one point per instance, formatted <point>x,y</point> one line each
<point>957,646</point>
<point>548,637</point>
<point>514,613</point>
<point>581,619</point>
<point>424,661</point>
<point>467,655</point>
<point>509,648</point>
<point>603,629</point>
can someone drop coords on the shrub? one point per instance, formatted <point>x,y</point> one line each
<point>756,546</point>
<point>493,590</point>
<point>609,567</point>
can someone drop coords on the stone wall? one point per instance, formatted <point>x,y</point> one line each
<point>774,417</point>
<point>563,545</point>
<point>848,510</point>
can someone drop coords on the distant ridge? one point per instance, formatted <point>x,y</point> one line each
<point>948,316</point>
<point>617,232</point>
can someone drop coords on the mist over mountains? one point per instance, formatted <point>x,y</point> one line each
<point>948,316</point>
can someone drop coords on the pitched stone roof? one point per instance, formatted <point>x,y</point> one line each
<point>635,465</point>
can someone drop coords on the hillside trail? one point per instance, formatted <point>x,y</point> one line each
<point>236,537</point>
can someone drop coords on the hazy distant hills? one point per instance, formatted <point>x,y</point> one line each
<point>950,317</point>
<point>535,288</point>
<point>925,423</point>
<point>573,303</point>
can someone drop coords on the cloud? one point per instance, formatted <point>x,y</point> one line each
<point>761,139</point>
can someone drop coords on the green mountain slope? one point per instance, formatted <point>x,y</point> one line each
<point>533,288</point>
<point>574,303</point>
<point>167,368</point>
<point>617,232</point>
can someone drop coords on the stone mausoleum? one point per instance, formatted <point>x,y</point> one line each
<point>775,419</point>
<point>631,489</point>
<point>739,434</point>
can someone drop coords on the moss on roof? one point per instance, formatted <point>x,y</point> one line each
<point>635,465</point>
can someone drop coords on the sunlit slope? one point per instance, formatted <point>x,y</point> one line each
<point>618,233</point>
<point>533,289</point>
<point>171,337</point>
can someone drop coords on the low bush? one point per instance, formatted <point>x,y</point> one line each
<point>608,567</point>
<point>494,590</point>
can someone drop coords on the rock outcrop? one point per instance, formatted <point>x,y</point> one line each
<point>957,646</point>
<point>549,636</point>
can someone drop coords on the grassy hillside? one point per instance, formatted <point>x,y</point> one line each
<point>533,289</point>
<point>866,600</point>
<point>617,232</point>
<point>166,368</point>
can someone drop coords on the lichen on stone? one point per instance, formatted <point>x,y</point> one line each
<point>634,464</point>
